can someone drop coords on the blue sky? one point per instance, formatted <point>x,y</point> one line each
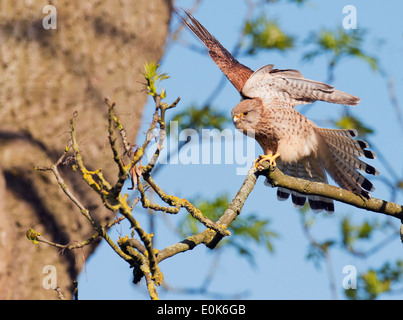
<point>286,273</point>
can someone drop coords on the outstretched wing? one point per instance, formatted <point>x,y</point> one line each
<point>275,87</point>
<point>288,88</point>
<point>236,72</point>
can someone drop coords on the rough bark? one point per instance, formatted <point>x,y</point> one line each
<point>96,52</point>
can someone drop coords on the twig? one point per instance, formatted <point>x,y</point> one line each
<point>236,204</point>
<point>60,294</point>
<point>193,211</point>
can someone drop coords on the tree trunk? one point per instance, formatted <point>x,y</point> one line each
<point>96,52</point>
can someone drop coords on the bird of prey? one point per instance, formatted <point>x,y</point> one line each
<point>289,140</point>
<point>303,150</point>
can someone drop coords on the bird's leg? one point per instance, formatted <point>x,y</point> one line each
<point>267,157</point>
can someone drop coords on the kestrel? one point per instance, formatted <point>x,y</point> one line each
<point>306,151</point>
<point>289,140</point>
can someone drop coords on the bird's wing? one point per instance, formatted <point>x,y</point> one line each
<point>289,88</point>
<point>236,72</point>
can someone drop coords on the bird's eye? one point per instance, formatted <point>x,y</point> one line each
<point>245,113</point>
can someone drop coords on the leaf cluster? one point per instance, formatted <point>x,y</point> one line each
<point>263,33</point>
<point>377,281</point>
<point>339,44</point>
<point>153,76</point>
<point>348,121</point>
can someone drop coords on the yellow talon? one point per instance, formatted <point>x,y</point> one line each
<point>267,157</point>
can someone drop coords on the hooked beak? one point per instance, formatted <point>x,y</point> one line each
<point>235,119</point>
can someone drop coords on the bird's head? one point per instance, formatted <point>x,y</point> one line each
<point>247,113</point>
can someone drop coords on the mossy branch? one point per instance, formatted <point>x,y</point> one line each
<point>278,179</point>
<point>211,238</point>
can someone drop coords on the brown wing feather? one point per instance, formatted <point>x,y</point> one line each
<point>236,72</point>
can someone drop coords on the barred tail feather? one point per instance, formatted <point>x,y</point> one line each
<point>282,194</point>
<point>309,171</point>
<point>342,162</point>
<point>343,139</point>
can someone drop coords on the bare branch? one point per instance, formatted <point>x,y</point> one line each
<point>278,179</point>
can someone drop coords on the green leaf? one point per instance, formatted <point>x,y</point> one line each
<point>351,122</point>
<point>266,34</point>
<point>163,94</point>
<point>153,76</point>
<point>373,285</point>
<point>33,235</point>
<point>339,44</point>
<point>352,233</point>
